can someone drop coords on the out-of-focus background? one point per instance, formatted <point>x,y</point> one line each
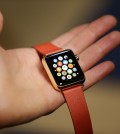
<point>30,22</point>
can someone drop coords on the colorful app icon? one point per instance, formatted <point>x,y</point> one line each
<point>74,69</point>
<point>69,76</point>
<point>64,67</point>
<point>60,58</point>
<point>70,60</point>
<point>55,60</point>
<point>63,78</point>
<point>74,74</point>
<point>65,57</point>
<point>59,74</point>
<point>64,73</point>
<point>70,65</point>
<point>69,71</point>
<point>65,62</point>
<point>59,63</point>
<point>54,65</point>
<point>59,69</point>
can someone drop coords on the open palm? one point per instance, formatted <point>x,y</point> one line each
<point>25,90</point>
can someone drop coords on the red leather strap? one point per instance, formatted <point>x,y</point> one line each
<point>46,48</point>
<point>78,110</point>
<point>73,96</point>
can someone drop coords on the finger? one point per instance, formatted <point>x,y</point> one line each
<point>98,50</point>
<point>91,33</point>
<point>97,73</point>
<point>1,21</point>
<point>68,36</point>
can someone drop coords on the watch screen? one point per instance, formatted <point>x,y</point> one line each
<point>65,68</point>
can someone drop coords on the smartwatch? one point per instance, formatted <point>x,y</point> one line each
<point>67,77</point>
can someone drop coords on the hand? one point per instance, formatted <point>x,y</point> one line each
<point>25,90</point>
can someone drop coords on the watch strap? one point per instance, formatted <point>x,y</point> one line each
<point>46,48</point>
<point>73,96</point>
<point>78,109</point>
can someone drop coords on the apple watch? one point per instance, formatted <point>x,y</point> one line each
<point>67,77</point>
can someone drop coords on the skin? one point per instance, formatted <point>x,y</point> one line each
<point>25,90</point>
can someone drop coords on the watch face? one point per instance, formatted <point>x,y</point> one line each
<point>65,68</point>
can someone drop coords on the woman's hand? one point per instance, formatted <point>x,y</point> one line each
<point>25,90</point>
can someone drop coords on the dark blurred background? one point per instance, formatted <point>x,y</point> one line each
<point>31,22</point>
